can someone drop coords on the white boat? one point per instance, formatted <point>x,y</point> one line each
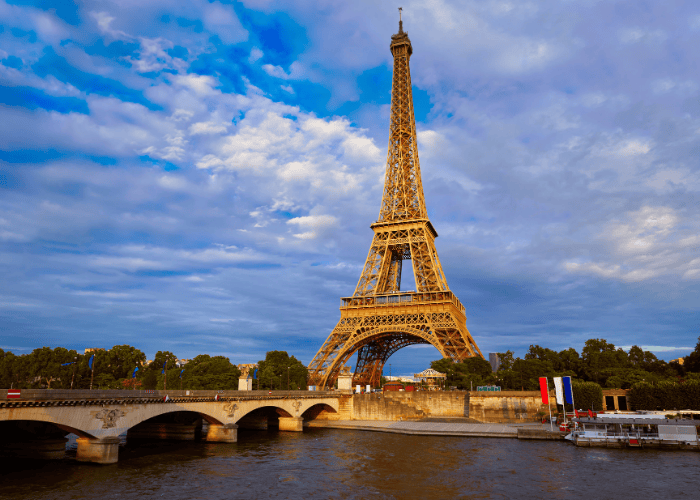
<point>635,430</point>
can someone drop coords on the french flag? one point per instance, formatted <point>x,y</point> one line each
<point>544,390</point>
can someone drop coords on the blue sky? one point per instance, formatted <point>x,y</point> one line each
<point>200,176</point>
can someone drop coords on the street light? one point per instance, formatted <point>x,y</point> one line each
<point>75,362</point>
<point>288,377</point>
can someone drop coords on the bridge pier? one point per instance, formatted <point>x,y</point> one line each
<point>227,433</point>
<point>293,424</point>
<point>99,451</point>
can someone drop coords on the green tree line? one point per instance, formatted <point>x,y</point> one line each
<point>57,368</point>
<point>599,362</point>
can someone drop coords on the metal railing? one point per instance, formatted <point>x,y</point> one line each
<point>397,299</point>
<point>108,394</point>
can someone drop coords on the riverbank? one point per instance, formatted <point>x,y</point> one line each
<point>445,428</point>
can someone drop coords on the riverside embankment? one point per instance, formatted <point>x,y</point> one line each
<point>508,407</point>
<point>444,428</point>
<point>442,413</point>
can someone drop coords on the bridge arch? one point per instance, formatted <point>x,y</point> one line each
<point>320,411</point>
<point>155,411</point>
<point>8,426</point>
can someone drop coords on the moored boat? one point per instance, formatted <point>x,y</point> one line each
<point>623,430</point>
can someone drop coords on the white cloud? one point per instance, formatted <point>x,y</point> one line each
<point>222,20</point>
<point>296,71</point>
<point>658,348</point>
<point>312,226</point>
<point>208,128</point>
<point>203,85</point>
<point>255,55</point>
<point>652,242</point>
<point>637,34</point>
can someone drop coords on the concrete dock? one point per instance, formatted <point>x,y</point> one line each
<point>442,428</point>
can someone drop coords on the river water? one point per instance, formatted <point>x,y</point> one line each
<point>333,463</point>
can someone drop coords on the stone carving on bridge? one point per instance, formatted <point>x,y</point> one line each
<point>296,405</point>
<point>230,409</point>
<point>246,369</point>
<point>109,417</point>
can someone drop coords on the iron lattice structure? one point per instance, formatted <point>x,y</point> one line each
<point>379,319</point>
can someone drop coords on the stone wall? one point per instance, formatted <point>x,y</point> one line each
<point>495,407</point>
<point>507,406</point>
<point>409,405</point>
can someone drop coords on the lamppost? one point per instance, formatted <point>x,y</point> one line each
<point>288,377</point>
<point>75,361</point>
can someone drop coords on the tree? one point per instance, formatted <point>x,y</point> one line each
<point>692,360</point>
<point>206,372</point>
<point>599,354</point>
<point>587,395</point>
<point>120,361</point>
<point>466,374</point>
<point>506,360</point>
<point>543,354</point>
<point>7,360</point>
<point>636,356</point>
<point>150,377</point>
<point>46,367</point>
<point>276,367</point>
<point>526,373</point>
<point>569,361</point>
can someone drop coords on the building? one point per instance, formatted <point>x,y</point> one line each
<point>495,361</point>
<point>680,361</point>
<point>432,377</point>
<point>93,349</point>
<point>401,378</point>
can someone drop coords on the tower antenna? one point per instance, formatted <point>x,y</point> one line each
<point>400,21</point>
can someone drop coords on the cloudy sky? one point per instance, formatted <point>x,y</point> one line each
<point>200,176</point>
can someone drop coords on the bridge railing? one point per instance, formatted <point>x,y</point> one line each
<point>84,394</point>
<point>397,299</point>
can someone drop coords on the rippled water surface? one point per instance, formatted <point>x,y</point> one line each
<point>331,463</point>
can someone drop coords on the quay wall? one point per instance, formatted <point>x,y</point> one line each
<point>409,405</point>
<point>507,407</point>
<point>491,407</point>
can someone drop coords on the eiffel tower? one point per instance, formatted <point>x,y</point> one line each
<point>379,319</point>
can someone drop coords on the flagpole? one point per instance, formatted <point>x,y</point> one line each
<point>549,405</point>
<point>573,403</point>
<point>73,377</point>
<point>92,376</point>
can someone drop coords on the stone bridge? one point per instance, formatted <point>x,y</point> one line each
<point>36,423</point>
